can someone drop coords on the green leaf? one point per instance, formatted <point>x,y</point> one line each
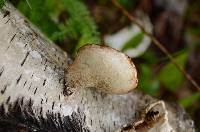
<point>148,83</point>
<point>187,101</point>
<point>134,41</point>
<point>194,31</point>
<point>149,57</point>
<point>128,4</point>
<point>170,76</point>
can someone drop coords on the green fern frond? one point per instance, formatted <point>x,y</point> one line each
<point>81,22</point>
<point>39,14</point>
<point>79,25</point>
<point>2,3</point>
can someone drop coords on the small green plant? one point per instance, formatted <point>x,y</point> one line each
<point>78,26</point>
<point>39,15</point>
<point>2,2</point>
<point>80,23</point>
<point>170,76</point>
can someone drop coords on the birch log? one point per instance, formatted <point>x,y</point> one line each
<point>32,80</point>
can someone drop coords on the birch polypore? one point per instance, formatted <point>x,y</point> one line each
<point>103,68</point>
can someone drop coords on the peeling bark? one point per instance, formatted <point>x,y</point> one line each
<point>32,81</point>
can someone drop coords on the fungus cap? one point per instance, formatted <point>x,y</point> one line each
<point>103,68</point>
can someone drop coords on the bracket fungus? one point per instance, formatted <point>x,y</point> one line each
<point>103,68</point>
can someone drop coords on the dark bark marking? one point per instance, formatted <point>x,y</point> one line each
<point>91,122</point>
<point>81,100</point>
<point>11,41</point>
<point>3,90</point>
<point>41,110</point>
<point>1,71</point>
<point>19,118</point>
<point>59,80</point>
<point>32,75</point>
<point>22,101</point>
<point>2,109</point>
<point>35,91</point>
<point>45,67</point>
<point>41,101</point>
<point>30,103</point>
<point>84,118</point>
<point>8,99</point>
<point>59,97</point>
<point>18,79</point>
<point>22,63</point>
<point>44,82</point>
<point>12,38</point>
<point>25,82</point>
<point>7,21</point>
<point>53,105</point>
<point>6,13</point>
<point>45,61</point>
